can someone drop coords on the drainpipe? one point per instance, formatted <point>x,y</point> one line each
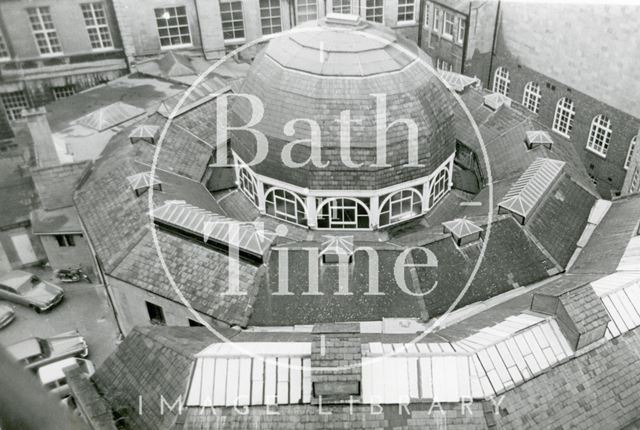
<point>493,46</point>
<point>423,4</point>
<point>465,42</point>
<point>101,276</point>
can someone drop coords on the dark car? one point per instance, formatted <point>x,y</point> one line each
<point>27,289</point>
<point>36,352</point>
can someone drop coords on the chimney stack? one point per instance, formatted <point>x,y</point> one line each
<point>45,150</point>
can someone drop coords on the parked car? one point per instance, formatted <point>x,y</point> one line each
<point>27,289</point>
<point>7,315</point>
<point>36,352</point>
<point>52,375</point>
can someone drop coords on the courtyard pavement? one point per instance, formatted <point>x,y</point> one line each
<point>85,307</point>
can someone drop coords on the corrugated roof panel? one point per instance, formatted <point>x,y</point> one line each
<point>244,382</point>
<point>224,375</point>
<point>527,191</point>
<point>220,382</point>
<point>509,353</point>
<point>615,281</point>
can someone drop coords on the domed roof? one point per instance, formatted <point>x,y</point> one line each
<point>324,67</point>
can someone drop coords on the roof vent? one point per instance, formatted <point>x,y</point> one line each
<point>527,191</point>
<point>141,182</point>
<point>337,249</point>
<point>462,231</point>
<point>495,100</point>
<point>538,138</point>
<point>343,19</point>
<point>145,133</point>
<point>458,81</point>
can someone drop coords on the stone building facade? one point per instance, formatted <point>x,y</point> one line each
<point>211,28</point>
<point>50,50</point>
<point>459,35</point>
<point>578,57</point>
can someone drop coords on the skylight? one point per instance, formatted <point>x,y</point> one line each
<point>457,81</point>
<point>462,230</point>
<point>110,116</point>
<point>495,100</point>
<point>336,247</point>
<point>251,373</point>
<point>141,182</point>
<point>145,133</point>
<point>211,227</point>
<point>527,191</point>
<point>538,138</point>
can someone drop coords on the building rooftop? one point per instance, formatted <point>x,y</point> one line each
<point>524,355</point>
<point>18,191</point>
<point>357,61</point>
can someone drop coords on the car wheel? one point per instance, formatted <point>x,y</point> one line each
<point>37,309</point>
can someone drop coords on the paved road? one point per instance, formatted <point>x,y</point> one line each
<point>85,307</point>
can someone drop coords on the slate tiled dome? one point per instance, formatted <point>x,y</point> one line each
<point>328,66</point>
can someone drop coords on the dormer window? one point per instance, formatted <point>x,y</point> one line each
<point>141,182</point>
<point>337,249</point>
<point>145,133</point>
<point>462,231</point>
<point>538,138</point>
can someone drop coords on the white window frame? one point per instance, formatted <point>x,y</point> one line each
<point>397,200</point>
<point>63,91</point>
<point>437,19</point>
<point>42,25</point>
<point>5,55</point>
<point>374,11</point>
<point>635,180</point>
<point>270,12</point>
<point>564,116</point>
<point>14,102</point>
<point>462,28</point>
<point>307,14</point>
<point>248,185</point>
<point>236,27</point>
<point>341,6</point>
<point>406,7</point>
<point>632,147</point>
<point>427,13</point>
<point>449,22</point>
<point>531,96</point>
<point>439,187</point>
<point>96,21</point>
<point>174,13</point>
<point>599,135</point>
<point>501,81</point>
<point>275,196</point>
<point>444,65</point>
<point>336,204</point>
